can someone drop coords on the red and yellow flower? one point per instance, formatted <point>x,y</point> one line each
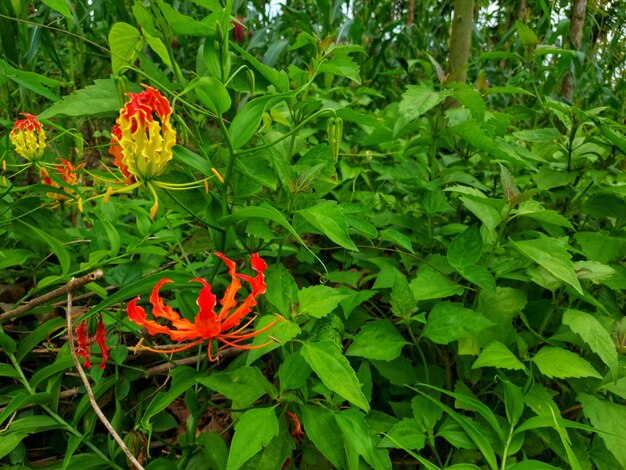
<point>28,137</point>
<point>143,137</point>
<point>224,326</point>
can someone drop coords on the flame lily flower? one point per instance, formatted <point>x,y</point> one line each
<point>84,342</point>
<point>141,144</point>
<point>225,326</point>
<point>28,137</point>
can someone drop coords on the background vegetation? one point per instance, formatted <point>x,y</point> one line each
<point>437,187</point>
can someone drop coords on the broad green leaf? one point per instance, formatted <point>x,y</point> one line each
<point>183,378</point>
<point>513,402</point>
<point>480,276</point>
<point>552,256</point>
<point>526,35</point>
<point>329,220</point>
<point>183,24</point>
<point>610,419</point>
<point>96,99</point>
<point>32,81</point>
<point>249,117</point>
<point>416,100</point>
<point>359,440</point>
<point>214,448</point>
<point>341,65</point>
<point>282,290</point>
<point>35,337</point>
<point>13,257</point>
<point>431,284</point>
<point>498,355</point>
<point>212,94</point>
<point>61,6</point>
<point>319,301</point>
<point>378,340</point>
<point>561,363</point>
<point>599,247</point>
<point>466,248</point>
<point>485,212</point>
<point>124,41</point>
<point>403,301</point>
<point>323,431</point>
<point>405,434</point>
<point>281,333</point>
<point>157,45</point>
<point>595,336</point>
<point>253,431</point>
<point>449,321</point>
<point>293,371</point>
<point>244,385</point>
<point>279,79</point>
<point>334,370</point>
<point>397,238</point>
<point>10,441</point>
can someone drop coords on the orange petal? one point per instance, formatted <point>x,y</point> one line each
<point>206,323</point>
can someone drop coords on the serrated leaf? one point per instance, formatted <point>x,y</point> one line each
<point>99,98</point>
<point>466,248</point>
<point>550,255</point>
<point>595,336</point>
<point>610,419</point>
<point>480,276</point>
<point>498,355</point>
<point>561,363</point>
<point>319,301</point>
<point>449,321</point>
<point>416,100</point>
<point>433,285</point>
<point>397,238</point>
<point>334,370</point>
<point>253,431</point>
<point>379,340</point>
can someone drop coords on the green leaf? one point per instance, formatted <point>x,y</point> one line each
<point>57,247</point>
<point>183,378</point>
<point>30,80</point>
<point>280,80</point>
<point>325,434</point>
<point>282,290</point>
<point>405,434</point>
<point>397,238</point>
<point>513,402</point>
<point>485,212</point>
<point>378,340</point>
<point>214,448</point>
<point>610,418</point>
<point>416,100</point>
<point>595,336</point>
<point>599,247</point>
<point>249,117</point>
<point>244,385</point>
<point>359,440</point>
<point>562,364</point>
<point>498,355</point>
<point>449,321</point>
<point>329,220</point>
<point>253,431</point>
<point>433,285</point>
<point>466,248</point>
<point>10,441</point>
<point>334,370</point>
<point>5,369</point>
<point>552,256</point>
<point>96,99</point>
<point>183,24</point>
<point>480,276</point>
<point>319,301</point>
<point>526,35</point>
<point>13,257</point>
<point>293,371</point>
<point>21,400</point>
<point>35,337</point>
<point>212,94</point>
<point>61,6</point>
<point>341,65</point>
<point>124,41</point>
<point>281,333</point>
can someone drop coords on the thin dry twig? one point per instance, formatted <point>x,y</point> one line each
<point>71,286</point>
<point>92,398</point>
<point>163,369</point>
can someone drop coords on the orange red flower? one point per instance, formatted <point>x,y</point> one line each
<point>224,326</point>
<point>84,342</point>
<point>28,137</point>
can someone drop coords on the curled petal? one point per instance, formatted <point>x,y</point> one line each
<point>83,341</point>
<point>206,322</point>
<point>160,310</point>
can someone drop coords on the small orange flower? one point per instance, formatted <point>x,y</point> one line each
<point>84,342</point>
<point>66,170</point>
<point>28,137</point>
<point>224,326</point>
<point>143,137</point>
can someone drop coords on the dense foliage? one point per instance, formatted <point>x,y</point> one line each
<point>387,267</point>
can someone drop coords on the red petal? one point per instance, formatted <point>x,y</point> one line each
<point>82,343</point>
<point>160,310</point>
<point>135,313</point>
<point>206,322</point>
<point>101,340</point>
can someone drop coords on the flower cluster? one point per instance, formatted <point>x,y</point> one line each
<point>28,137</point>
<point>208,325</point>
<point>84,342</point>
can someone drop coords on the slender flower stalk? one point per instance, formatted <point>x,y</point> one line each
<point>227,326</point>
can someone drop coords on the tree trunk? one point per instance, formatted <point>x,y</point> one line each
<point>410,17</point>
<point>577,22</point>
<point>461,39</point>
